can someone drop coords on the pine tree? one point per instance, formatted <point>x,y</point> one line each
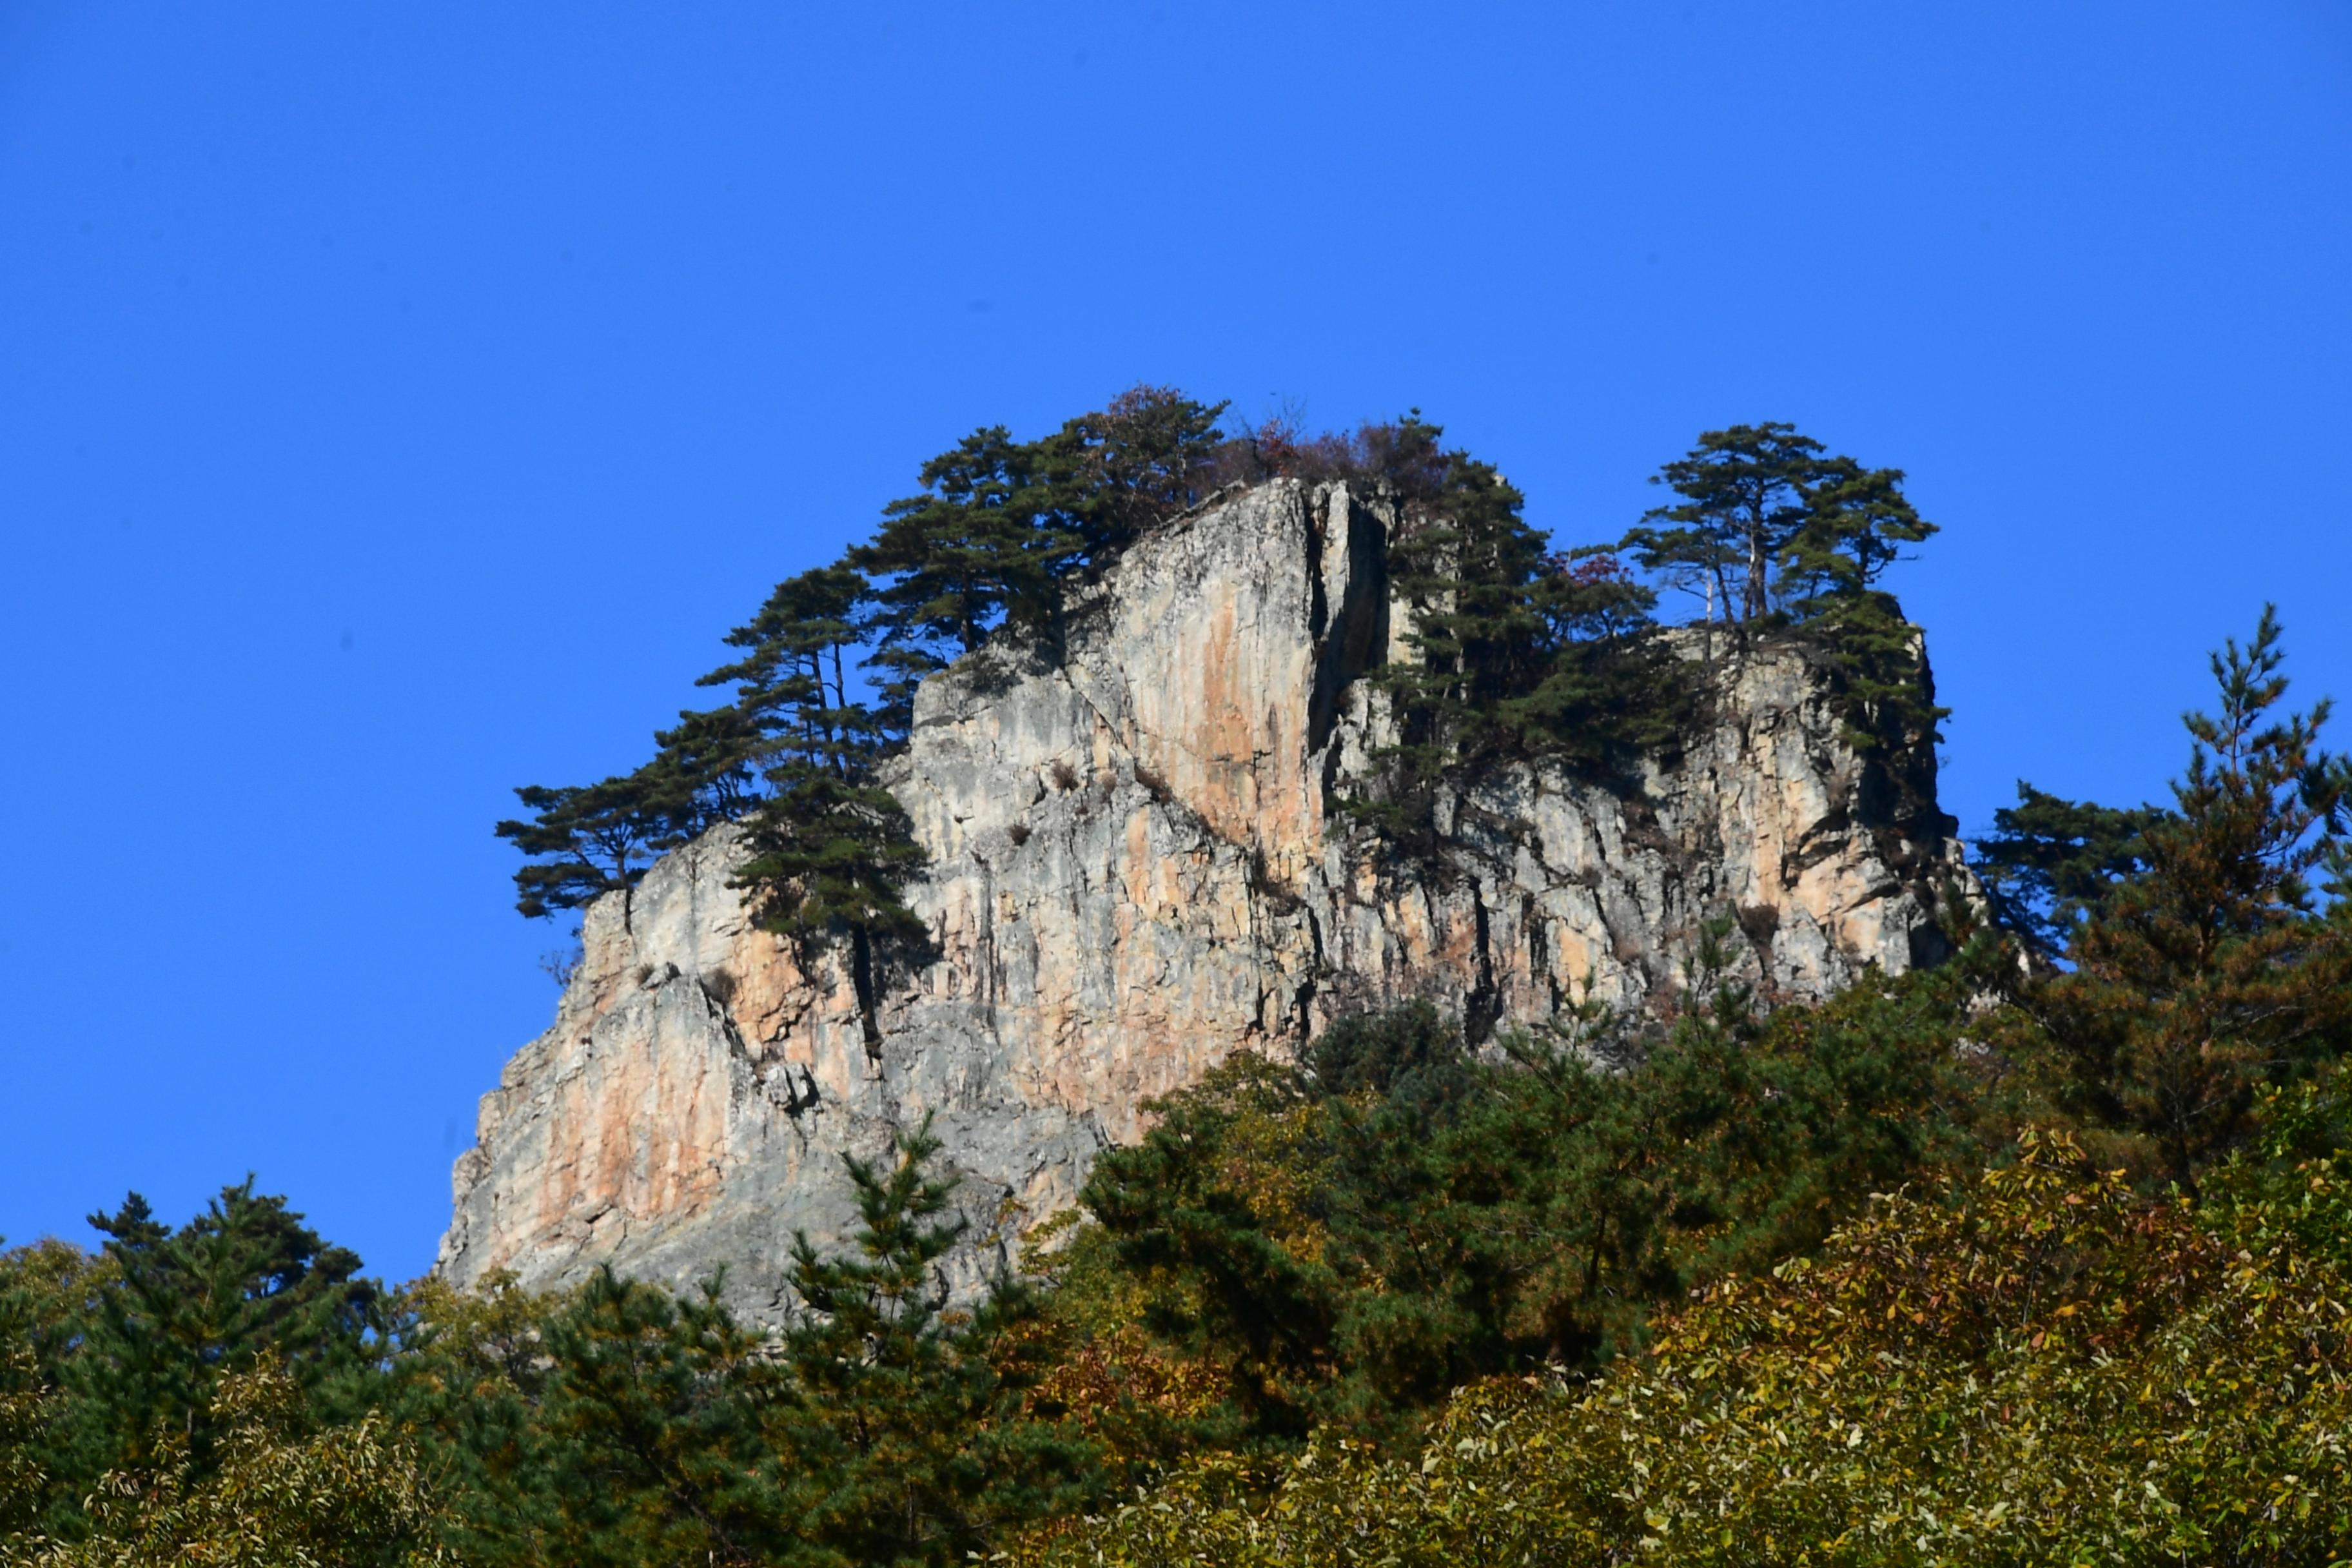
<point>1142,458</point>
<point>650,1446</point>
<point>917,1437</point>
<point>1468,564</point>
<point>1609,691</point>
<point>614,1424</point>
<point>242,1283</point>
<point>2217,970</point>
<point>831,850</point>
<point>589,840</point>
<point>791,680</point>
<point>1518,651</point>
<point>713,756</point>
<point>977,549</point>
<point>1746,494</point>
<point>276,1490</point>
<point>831,853</point>
<point>2049,862</point>
<point>1858,524</point>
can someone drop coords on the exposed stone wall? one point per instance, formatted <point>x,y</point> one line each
<point>1136,871</point>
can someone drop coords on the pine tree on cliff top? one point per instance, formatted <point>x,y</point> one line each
<point>714,753</point>
<point>1745,494</point>
<point>1858,524</point>
<point>1517,651</point>
<point>1771,526</point>
<point>977,549</point>
<point>792,681</point>
<point>1467,563</point>
<point>1143,458</point>
<point>588,840</point>
<point>831,849</point>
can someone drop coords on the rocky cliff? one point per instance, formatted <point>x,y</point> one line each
<point>1137,869</point>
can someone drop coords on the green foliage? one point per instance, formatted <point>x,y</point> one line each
<point>2035,1367</point>
<point>830,850</point>
<point>242,1283</point>
<point>1406,1050</point>
<point>2214,972</point>
<point>25,1414</point>
<point>2034,1362</point>
<point>277,1493</point>
<point>588,840</point>
<point>619,1424</point>
<point>45,1290</point>
<point>791,687</point>
<point>2049,862</point>
<point>831,855</point>
<point>1718,1283</point>
<point>1350,1241</point>
<point>2290,1187</point>
<point>1856,525</point>
<point>978,546</point>
<point>907,1422</point>
<point>1609,690</point>
<point>1518,652</point>
<point>1771,522</point>
<point>712,760</point>
<point>1747,494</point>
<point>1880,660</point>
<point>1148,454</point>
<point>980,552</point>
<point>1767,514</point>
<point>615,1425</point>
<point>999,523</point>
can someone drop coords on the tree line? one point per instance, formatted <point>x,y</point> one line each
<point>1520,649</point>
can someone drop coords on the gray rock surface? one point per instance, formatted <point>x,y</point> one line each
<point>1137,869</point>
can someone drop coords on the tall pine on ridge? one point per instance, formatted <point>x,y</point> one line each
<point>831,850</point>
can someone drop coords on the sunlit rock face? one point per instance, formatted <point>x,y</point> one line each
<point>1138,866</point>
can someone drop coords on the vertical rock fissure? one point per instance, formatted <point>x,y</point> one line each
<point>1318,600</point>
<point>1355,634</point>
<point>1484,1007</point>
<point>861,978</point>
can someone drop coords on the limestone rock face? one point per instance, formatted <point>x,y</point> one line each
<point>1137,868</point>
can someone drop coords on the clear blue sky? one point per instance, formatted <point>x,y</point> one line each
<point>398,408</point>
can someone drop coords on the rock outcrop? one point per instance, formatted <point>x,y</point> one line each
<point>1137,869</point>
